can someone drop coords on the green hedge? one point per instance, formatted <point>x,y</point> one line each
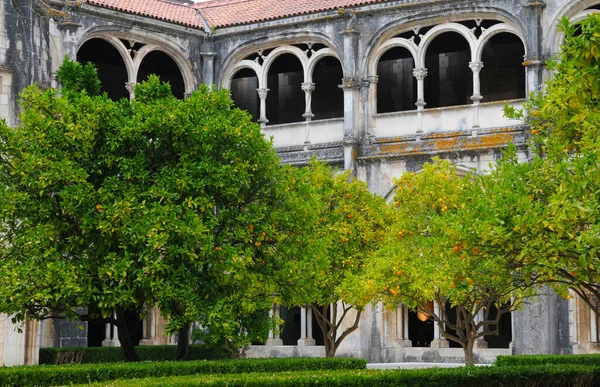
<point>534,376</point>
<point>524,360</point>
<point>51,375</point>
<point>115,354</point>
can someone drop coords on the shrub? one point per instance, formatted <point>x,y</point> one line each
<point>115,354</point>
<point>555,376</point>
<point>51,375</point>
<point>530,360</point>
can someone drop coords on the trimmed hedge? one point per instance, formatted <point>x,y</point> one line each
<point>52,375</point>
<point>529,360</point>
<point>115,354</point>
<point>535,376</point>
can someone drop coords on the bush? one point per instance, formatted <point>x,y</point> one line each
<point>530,360</point>
<point>115,354</point>
<point>555,376</point>
<point>51,375</point>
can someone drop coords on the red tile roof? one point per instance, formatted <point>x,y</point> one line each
<point>222,13</point>
<point>158,9</point>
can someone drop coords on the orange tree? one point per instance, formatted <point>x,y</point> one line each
<point>110,206</point>
<point>330,226</point>
<point>444,247</point>
<point>559,234</point>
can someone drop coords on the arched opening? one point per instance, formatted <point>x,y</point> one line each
<point>109,62</point>
<point>449,80</point>
<point>503,74</point>
<point>420,328</point>
<point>327,98</point>
<point>161,64</point>
<point>243,92</point>
<point>290,330</point>
<point>285,100</point>
<point>396,87</point>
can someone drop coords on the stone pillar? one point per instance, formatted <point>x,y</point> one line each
<point>402,326</point>
<point>351,87</point>
<point>274,338</point>
<point>593,328</point>
<point>438,340</point>
<point>476,97</point>
<point>420,74</point>
<point>111,335</point>
<point>480,342</point>
<point>32,342</point>
<point>130,86</point>
<point>308,88</point>
<point>262,94</point>
<point>208,67</point>
<point>371,104</point>
<point>534,62</point>
<point>306,327</point>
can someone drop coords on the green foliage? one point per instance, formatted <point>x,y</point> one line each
<point>74,77</point>
<point>111,206</point>
<point>86,373</point>
<point>536,360</point>
<point>558,229</point>
<point>551,375</point>
<point>114,354</point>
<point>449,244</point>
<point>329,226</point>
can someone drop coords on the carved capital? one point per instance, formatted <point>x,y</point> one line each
<point>130,86</point>
<point>262,93</point>
<point>420,103</point>
<point>534,62</point>
<point>350,83</point>
<point>420,74</point>
<point>373,78</point>
<point>476,66</point>
<point>535,4</point>
<point>308,86</point>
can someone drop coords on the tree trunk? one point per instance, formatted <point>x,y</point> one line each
<point>183,342</point>
<point>468,348</point>
<point>129,352</point>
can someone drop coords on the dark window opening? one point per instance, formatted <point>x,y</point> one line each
<point>111,68</point>
<point>503,74</point>
<point>420,329</point>
<point>96,332</point>
<point>244,94</point>
<point>504,336</point>
<point>327,98</point>
<point>451,313</point>
<point>396,87</point>
<point>449,80</point>
<point>285,100</point>
<point>291,328</point>
<point>595,7</point>
<point>161,64</point>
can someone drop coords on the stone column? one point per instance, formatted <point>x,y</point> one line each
<point>351,87</point>
<point>593,327</point>
<point>32,342</point>
<point>208,67</point>
<point>420,74</point>
<point>262,94</point>
<point>438,340</point>
<point>402,326</point>
<point>480,342</point>
<point>371,105</point>
<point>306,327</point>
<point>534,62</point>
<point>130,86</point>
<point>476,97</point>
<point>111,338</point>
<point>308,88</point>
<point>274,338</point>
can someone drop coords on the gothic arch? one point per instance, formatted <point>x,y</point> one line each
<point>118,45</point>
<point>492,31</point>
<point>244,64</point>
<point>230,62</point>
<point>184,66</point>
<point>440,29</point>
<point>575,12</point>
<point>392,43</point>
<point>314,59</point>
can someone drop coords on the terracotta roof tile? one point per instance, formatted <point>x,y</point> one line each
<point>223,13</point>
<point>156,9</point>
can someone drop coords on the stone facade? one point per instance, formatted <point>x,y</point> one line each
<point>378,89</point>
